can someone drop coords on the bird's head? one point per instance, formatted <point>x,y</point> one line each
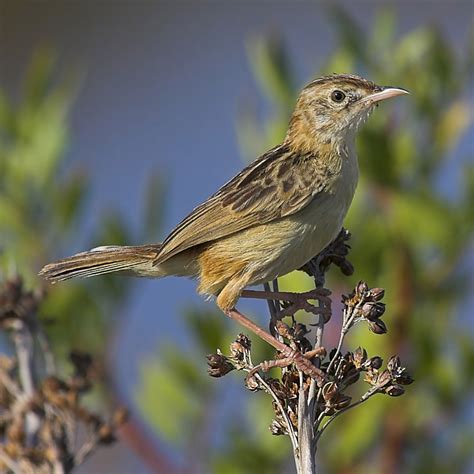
<point>332,108</point>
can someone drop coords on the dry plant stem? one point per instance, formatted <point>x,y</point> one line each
<point>58,468</point>
<point>9,384</point>
<point>49,363</point>
<point>12,465</point>
<point>289,426</point>
<point>284,414</point>
<point>86,450</point>
<point>347,321</point>
<point>276,290</point>
<point>274,310</point>
<point>306,463</point>
<point>24,349</point>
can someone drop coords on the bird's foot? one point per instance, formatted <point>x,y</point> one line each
<point>296,301</point>
<point>290,355</point>
<point>301,361</point>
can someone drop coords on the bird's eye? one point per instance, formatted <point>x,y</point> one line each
<point>338,96</point>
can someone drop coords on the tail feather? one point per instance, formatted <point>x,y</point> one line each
<point>136,260</point>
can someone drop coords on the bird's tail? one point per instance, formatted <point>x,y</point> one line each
<point>135,260</point>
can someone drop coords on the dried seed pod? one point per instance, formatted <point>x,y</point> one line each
<point>245,341</point>
<point>361,288</point>
<point>384,378</point>
<point>13,288</point>
<point>252,383</point>
<point>329,391</point>
<point>395,390</point>
<point>237,350</point>
<point>372,310</point>
<point>405,378</point>
<point>240,345</point>
<point>342,401</point>
<point>277,429</point>
<point>394,364</point>
<point>120,416</point>
<point>282,329</point>
<point>82,362</point>
<point>399,373</point>
<point>54,391</point>
<point>54,384</point>
<point>359,356</point>
<point>352,377</point>
<point>371,376</point>
<point>293,418</point>
<point>278,388</point>
<point>373,363</point>
<point>377,326</point>
<point>376,294</point>
<point>218,365</point>
<point>106,434</point>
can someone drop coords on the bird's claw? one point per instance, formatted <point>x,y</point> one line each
<point>301,361</point>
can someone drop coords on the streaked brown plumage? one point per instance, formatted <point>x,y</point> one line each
<point>272,217</point>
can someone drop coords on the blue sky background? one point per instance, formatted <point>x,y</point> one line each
<point>163,84</point>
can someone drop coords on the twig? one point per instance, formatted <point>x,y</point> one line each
<point>86,449</point>
<point>8,461</point>
<point>9,384</point>
<point>289,426</point>
<point>24,349</point>
<point>49,363</point>
<point>307,405</point>
<point>274,311</point>
<point>346,325</point>
<point>306,463</point>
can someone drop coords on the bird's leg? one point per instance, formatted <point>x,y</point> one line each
<point>290,356</point>
<point>297,300</point>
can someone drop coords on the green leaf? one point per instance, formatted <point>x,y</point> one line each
<point>271,66</point>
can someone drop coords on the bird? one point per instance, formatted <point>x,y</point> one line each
<point>271,218</point>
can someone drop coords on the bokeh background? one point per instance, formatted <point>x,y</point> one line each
<point>118,117</point>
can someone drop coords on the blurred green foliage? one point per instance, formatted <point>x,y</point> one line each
<point>411,222</point>
<point>42,202</point>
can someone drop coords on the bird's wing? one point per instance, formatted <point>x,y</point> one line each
<point>273,186</point>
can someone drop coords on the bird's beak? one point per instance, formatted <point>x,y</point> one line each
<point>384,93</point>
